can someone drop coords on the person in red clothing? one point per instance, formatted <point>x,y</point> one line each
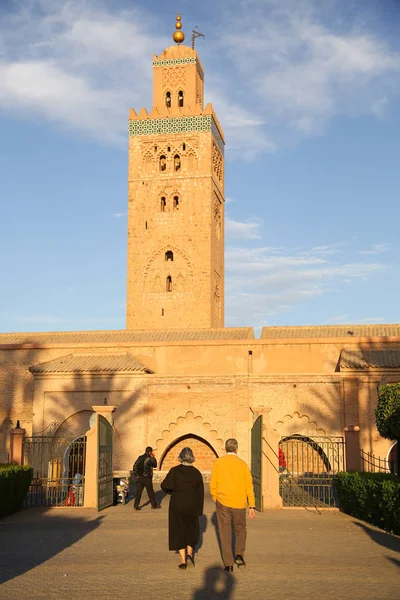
<point>282,460</point>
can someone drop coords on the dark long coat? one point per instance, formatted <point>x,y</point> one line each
<point>185,484</point>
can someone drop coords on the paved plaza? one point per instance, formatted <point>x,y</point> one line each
<point>122,554</point>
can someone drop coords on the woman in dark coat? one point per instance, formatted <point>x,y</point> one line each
<point>185,484</point>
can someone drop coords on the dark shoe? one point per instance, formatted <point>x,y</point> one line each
<point>228,569</point>
<point>158,506</point>
<point>239,561</point>
<point>136,508</point>
<point>190,561</point>
<point>182,566</point>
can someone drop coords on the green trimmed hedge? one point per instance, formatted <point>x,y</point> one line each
<point>14,484</point>
<point>372,497</point>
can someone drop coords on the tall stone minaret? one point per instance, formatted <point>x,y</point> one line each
<point>176,201</point>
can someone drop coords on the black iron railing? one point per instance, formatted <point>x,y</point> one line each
<point>55,492</point>
<point>375,464</point>
<point>58,470</point>
<point>307,469</point>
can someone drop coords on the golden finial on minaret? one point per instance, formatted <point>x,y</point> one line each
<point>178,36</point>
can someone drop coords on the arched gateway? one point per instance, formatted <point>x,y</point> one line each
<point>203,451</point>
<point>193,431</point>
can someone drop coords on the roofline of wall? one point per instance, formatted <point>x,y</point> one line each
<point>345,341</point>
<point>215,378</point>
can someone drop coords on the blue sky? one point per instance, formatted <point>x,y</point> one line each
<point>308,95</point>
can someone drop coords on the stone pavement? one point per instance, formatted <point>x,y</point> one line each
<point>80,554</point>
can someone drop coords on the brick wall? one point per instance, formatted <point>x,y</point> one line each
<point>203,454</point>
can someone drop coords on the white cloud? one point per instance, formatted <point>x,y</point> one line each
<point>119,215</point>
<point>82,66</point>
<point>262,282</point>
<point>76,64</point>
<point>376,249</point>
<point>287,67</point>
<point>246,230</point>
<point>244,131</point>
<point>303,66</point>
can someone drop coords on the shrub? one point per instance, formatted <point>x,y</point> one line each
<point>14,484</point>
<point>388,411</point>
<point>372,497</point>
<point>387,414</point>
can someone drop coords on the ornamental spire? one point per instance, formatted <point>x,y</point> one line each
<point>178,35</point>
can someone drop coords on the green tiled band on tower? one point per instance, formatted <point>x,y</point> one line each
<point>176,125</point>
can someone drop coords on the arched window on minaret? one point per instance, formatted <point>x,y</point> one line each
<point>168,99</point>
<point>180,98</point>
<point>177,162</point>
<point>176,202</point>
<point>169,255</point>
<point>163,163</point>
<point>163,204</point>
<point>169,283</point>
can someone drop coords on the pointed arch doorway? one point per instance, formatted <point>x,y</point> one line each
<point>203,451</point>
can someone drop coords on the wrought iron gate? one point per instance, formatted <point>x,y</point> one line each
<point>307,467</point>
<point>105,464</point>
<point>58,470</point>
<point>256,460</point>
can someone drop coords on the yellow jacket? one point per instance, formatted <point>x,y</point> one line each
<point>231,483</point>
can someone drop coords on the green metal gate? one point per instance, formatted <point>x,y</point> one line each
<point>307,468</point>
<point>105,463</point>
<point>256,460</point>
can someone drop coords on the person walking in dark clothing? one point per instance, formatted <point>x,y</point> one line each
<point>185,484</point>
<point>143,471</point>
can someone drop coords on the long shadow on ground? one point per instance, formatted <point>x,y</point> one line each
<point>383,538</point>
<point>30,538</point>
<point>217,585</point>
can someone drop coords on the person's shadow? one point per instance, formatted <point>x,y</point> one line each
<point>218,585</point>
<point>383,538</point>
<point>33,536</point>
<point>203,527</point>
<point>159,496</point>
<point>214,521</point>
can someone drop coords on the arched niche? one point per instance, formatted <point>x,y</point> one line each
<point>204,453</point>
<point>188,424</point>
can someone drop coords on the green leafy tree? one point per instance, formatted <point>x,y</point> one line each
<point>387,414</point>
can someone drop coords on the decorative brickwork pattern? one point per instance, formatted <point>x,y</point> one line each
<point>217,294</point>
<point>172,62</point>
<point>217,216</point>
<point>176,125</point>
<point>170,125</point>
<point>199,89</point>
<point>171,186</point>
<point>174,77</point>
<point>218,163</point>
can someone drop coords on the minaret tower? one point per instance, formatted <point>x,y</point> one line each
<point>176,201</point>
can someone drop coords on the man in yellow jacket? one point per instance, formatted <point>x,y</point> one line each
<point>231,488</point>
